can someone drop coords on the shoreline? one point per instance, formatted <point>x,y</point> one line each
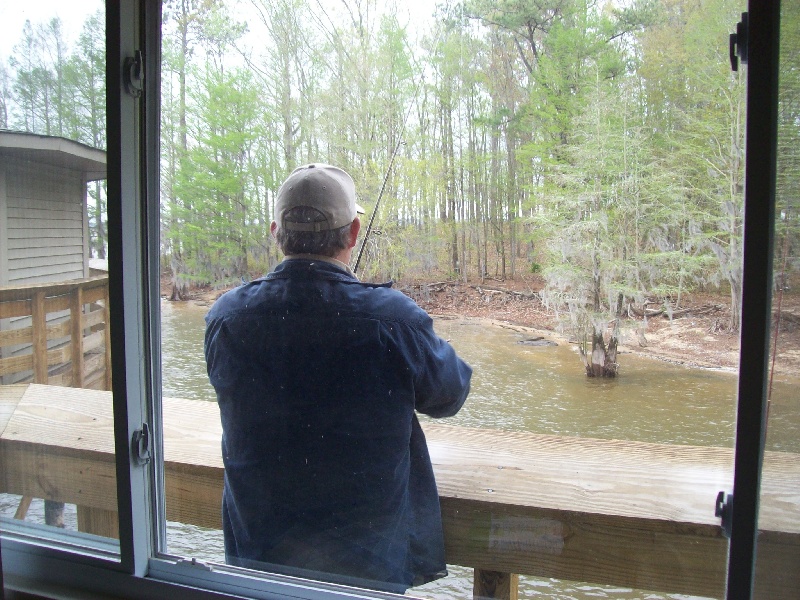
<point>697,338</point>
<point>624,349</point>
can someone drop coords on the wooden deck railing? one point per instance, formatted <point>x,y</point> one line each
<point>59,334</point>
<point>611,512</point>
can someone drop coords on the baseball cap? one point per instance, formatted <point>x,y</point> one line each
<point>328,189</point>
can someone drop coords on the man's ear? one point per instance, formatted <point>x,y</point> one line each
<point>355,227</point>
<point>273,228</point>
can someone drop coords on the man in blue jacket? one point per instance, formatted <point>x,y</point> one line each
<point>319,377</point>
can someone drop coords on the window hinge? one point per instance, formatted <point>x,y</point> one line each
<point>193,562</point>
<point>141,443</point>
<point>133,74</point>
<point>724,510</point>
<point>738,43</point>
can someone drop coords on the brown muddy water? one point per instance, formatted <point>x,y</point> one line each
<point>519,387</point>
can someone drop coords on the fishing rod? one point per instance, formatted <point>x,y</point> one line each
<point>377,204</point>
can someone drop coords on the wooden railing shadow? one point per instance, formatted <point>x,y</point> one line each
<point>610,512</point>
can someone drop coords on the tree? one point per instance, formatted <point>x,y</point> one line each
<point>590,151</point>
<point>214,178</point>
<point>184,20</point>
<point>527,127</point>
<point>5,96</point>
<point>284,72</point>
<point>788,170</point>
<point>699,115</point>
<point>30,83</point>
<point>85,76</point>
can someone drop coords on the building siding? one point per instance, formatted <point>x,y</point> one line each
<point>45,237</point>
<point>3,229</point>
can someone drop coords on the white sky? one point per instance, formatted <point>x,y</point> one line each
<point>14,13</point>
<point>73,13</point>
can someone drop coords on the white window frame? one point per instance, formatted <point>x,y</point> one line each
<point>43,562</point>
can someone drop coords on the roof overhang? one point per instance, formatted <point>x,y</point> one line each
<point>55,151</point>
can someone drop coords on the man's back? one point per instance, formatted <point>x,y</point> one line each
<point>318,378</point>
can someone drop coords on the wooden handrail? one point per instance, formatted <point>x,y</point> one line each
<point>34,339</point>
<point>10,293</point>
<point>601,511</point>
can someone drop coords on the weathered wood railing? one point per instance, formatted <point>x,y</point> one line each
<point>601,511</point>
<point>71,350</point>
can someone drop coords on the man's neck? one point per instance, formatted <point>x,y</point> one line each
<point>336,261</point>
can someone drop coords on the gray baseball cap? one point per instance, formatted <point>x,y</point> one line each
<point>326,188</point>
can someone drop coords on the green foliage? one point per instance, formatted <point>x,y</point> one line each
<point>598,145</point>
<point>216,224</point>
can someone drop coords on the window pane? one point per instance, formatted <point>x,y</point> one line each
<point>554,189</point>
<point>57,425</point>
<point>778,557</point>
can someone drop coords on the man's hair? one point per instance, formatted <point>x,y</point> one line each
<point>325,243</point>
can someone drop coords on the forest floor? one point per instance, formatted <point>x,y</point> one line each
<point>696,335</point>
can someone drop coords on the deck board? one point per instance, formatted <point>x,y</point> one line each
<point>10,396</point>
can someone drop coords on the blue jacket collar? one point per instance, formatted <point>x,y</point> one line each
<point>316,269</point>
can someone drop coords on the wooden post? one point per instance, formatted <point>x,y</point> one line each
<point>39,348</point>
<point>495,584</point>
<point>53,511</point>
<point>107,338</point>
<point>98,521</point>
<point>22,509</point>
<point>76,336</point>
<point>90,520</point>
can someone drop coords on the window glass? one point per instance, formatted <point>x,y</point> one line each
<point>778,556</point>
<point>56,422</point>
<point>560,187</point>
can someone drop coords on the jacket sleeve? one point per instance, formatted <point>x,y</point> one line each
<point>442,379</point>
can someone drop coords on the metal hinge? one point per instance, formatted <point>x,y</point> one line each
<point>141,444</point>
<point>724,510</point>
<point>133,74</point>
<point>193,562</point>
<point>738,43</point>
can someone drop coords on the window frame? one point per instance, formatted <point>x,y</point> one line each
<point>129,281</point>
<point>761,136</point>
<point>50,567</point>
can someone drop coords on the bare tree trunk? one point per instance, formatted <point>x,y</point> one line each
<point>512,199</point>
<point>100,228</point>
<point>602,362</point>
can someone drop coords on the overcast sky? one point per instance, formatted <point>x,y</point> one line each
<point>14,13</point>
<point>73,13</point>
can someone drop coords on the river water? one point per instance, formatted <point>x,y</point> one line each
<point>519,387</point>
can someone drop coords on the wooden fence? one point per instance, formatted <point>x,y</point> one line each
<point>611,512</point>
<point>56,333</point>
